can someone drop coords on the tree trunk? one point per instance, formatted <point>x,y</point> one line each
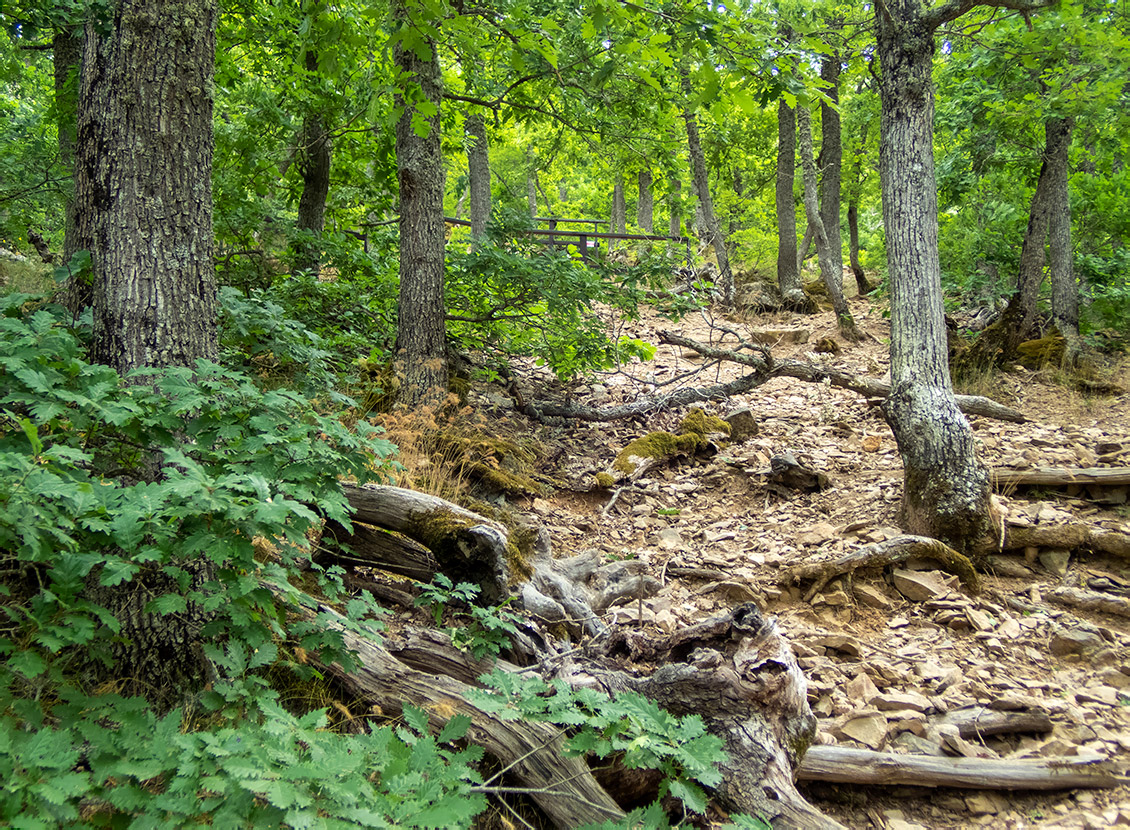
<point>146,137</point>
<point>854,188</point>
<point>1065,288</point>
<point>674,205</point>
<point>725,287</point>
<point>478,171</point>
<point>618,219</point>
<point>144,174</point>
<point>1033,257</point>
<point>946,487</point>
<point>788,275</point>
<point>831,158</point>
<point>645,207</point>
<point>421,334</point>
<point>832,282</point>
<point>314,166</point>
<point>67,49</point>
<point>531,183</point>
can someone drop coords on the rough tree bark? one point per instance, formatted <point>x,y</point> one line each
<point>144,175</point>
<point>1065,288</point>
<point>618,218</point>
<point>833,282</point>
<point>725,285</point>
<point>1033,255</point>
<point>478,171</point>
<point>946,487</point>
<point>421,334</point>
<point>855,186</point>
<point>146,136</point>
<point>66,48</point>
<point>831,162</point>
<point>314,159</point>
<point>531,182</point>
<point>788,274</point>
<point>645,207</point>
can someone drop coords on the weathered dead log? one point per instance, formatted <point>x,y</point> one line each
<point>1089,600</point>
<point>862,766</point>
<point>739,674</point>
<point>375,547</point>
<point>563,787</point>
<point>813,373</point>
<point>979,721</point>
<point>467,546</point>
<point>1060,476</point>
<point>882,554</point>
<point>1069,536</point>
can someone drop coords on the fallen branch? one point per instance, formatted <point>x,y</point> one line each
<point>810,372</point>
<point>882,554</point>
<point>1069,536</point>
<point>979,721</point>
<point>862,766</point>
<point>1089,601</point>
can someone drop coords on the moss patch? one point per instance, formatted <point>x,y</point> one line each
<point>657,445</point>
<point>699,423</point>
<point>1036,354</point>
<point>604,480</point>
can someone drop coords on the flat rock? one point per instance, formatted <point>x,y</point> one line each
<point>920,586</point>
<point>670,539</point>
<point>1055,561</point>
<point>894,701</point>
<point>1075,641</point>
<point>743,424</point>
<point>861,688</point>
<point>818,534</point>
<point>1107,695</point>
<point>871,596</point>
<point>870,730</point>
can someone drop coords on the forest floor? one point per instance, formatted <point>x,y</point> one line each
<point>865,648</point>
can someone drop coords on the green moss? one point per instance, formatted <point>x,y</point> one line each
<point>1035,354</point>
<point>656,445</point>
<point>698,422</point>
<point>605,480</point>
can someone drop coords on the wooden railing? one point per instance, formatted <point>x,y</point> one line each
<point>586,242</point>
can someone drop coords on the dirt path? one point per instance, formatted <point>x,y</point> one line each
<point>881,667</point>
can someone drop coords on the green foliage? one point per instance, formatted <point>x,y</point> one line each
<point>110,761</point>
<point>487,629</point>
<point>511,301</point>
<point>78,499</point>
<point>629,726</point>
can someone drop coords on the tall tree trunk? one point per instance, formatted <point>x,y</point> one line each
<point>144,164</point>
<point>831,162</point>
<point>618,219</point>
<point>645,207</point>
<point>1033,255</point>
<point>146,137</point>
<point>725,285</point>
<point>67,50</point>
<point>314,161</point>
<point>788,273</point>
<point>946,487</point>
<point>855,186</point>
<point>675,209</point>
<point>1065,288</point>
<point>531,185</point>
<point>816,222</point>
<point>421,332</point>
<point>478,171</point>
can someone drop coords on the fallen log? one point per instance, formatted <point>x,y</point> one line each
<point>1060,476</point>
<point>979,721</point>
<point>882,554</point>
<point>845,765</point>
<point>1068,536</point>
<point>1089,600</point>
<point>812,373</point>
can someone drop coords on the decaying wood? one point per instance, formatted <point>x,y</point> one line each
<point>785,471</point>
<point>862,766</point>
<point>1089,600</point>
<point>466,546</point>
<point>739,674</point>
<point>1068,536</point>
<point>376,547</point>
<point>868,387</point>
<point>1060,476</point>
<point>881,554</point>
<point>561,786</point>
<point>979,721</point>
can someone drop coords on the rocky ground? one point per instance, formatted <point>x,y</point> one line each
<point>891,654</point>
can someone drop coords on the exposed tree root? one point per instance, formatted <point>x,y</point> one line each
<point>882,554</point>
<point>1089,600</point>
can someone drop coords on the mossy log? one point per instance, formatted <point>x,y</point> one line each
<point>882,554</point>
<point>696,432</point>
